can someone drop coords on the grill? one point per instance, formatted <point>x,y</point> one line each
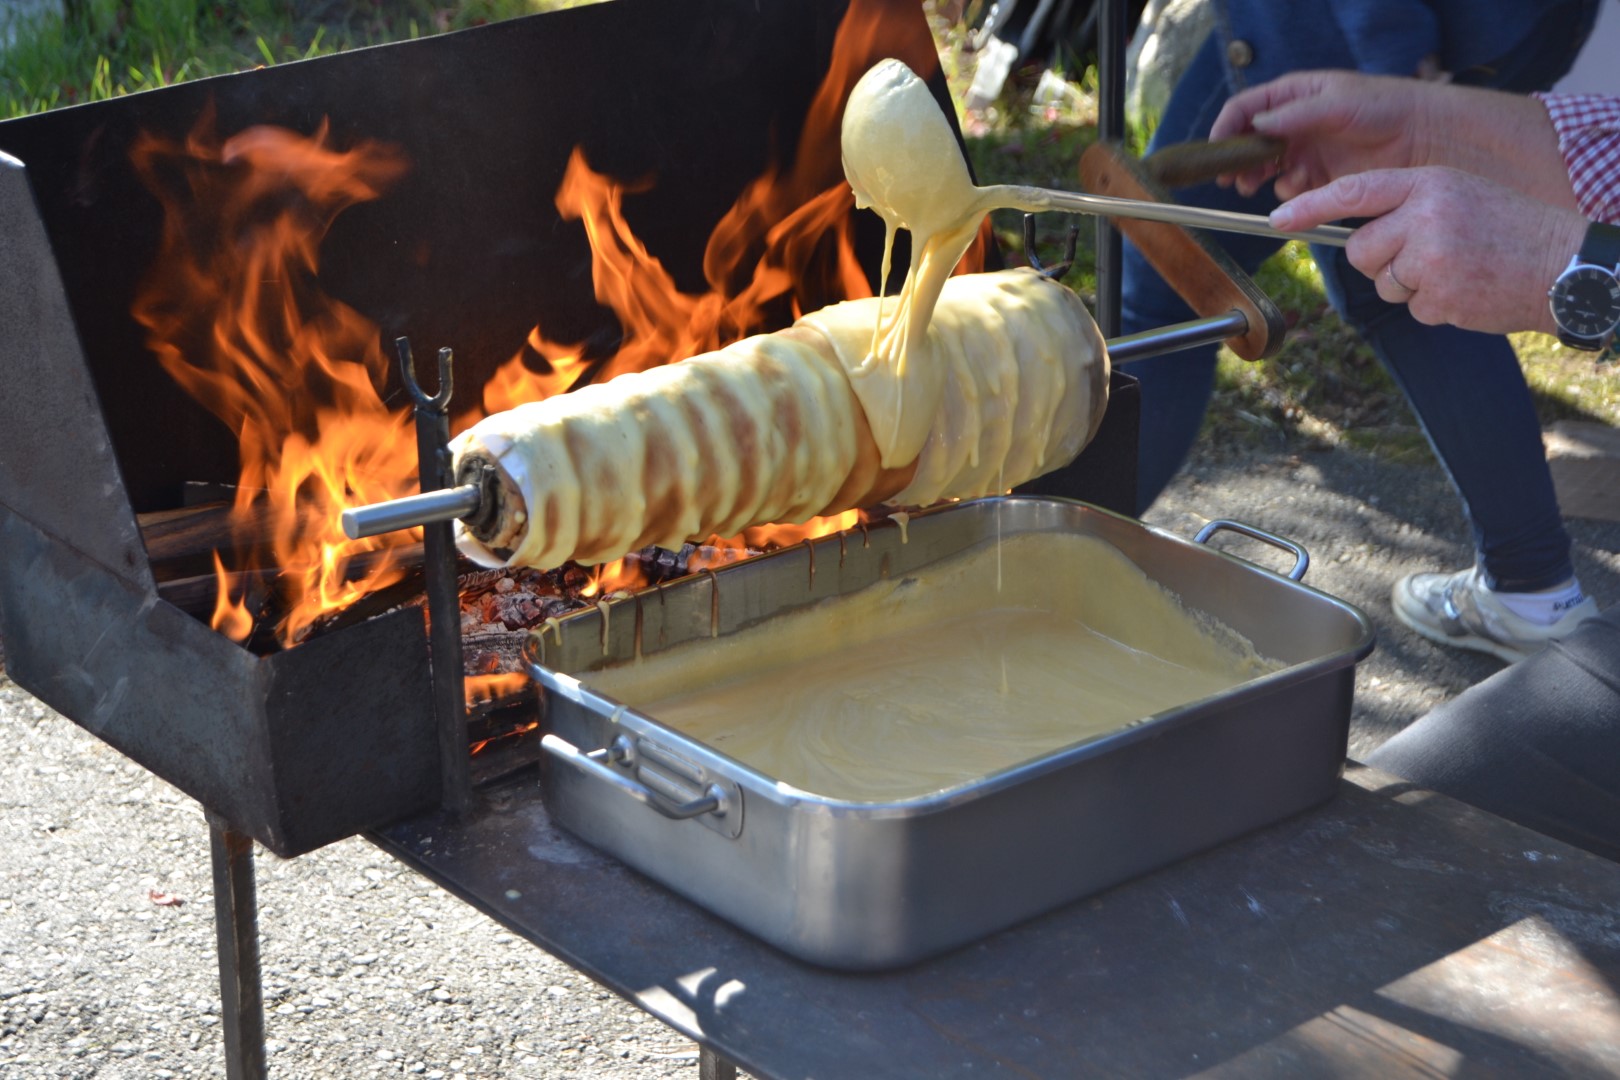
<point>101,453</point>
<point>89,627</point>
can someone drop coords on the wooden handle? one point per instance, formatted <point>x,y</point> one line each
<point>1203,274</point>
<point>1189,163</point>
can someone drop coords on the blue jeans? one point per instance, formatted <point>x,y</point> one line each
<point>1466,388</point>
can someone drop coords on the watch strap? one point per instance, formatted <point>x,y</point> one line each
<point>1601,247</point>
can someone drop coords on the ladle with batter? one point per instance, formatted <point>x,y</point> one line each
<point>902,160</point>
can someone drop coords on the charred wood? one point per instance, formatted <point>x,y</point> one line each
<point>181,543</point>
<point>197,595</point>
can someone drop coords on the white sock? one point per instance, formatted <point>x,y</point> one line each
<point>1543,608</point>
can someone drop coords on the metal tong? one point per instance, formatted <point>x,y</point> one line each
<point>1179,165</point>
<point>1034,199</point>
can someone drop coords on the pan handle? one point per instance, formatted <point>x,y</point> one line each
<point>1302,558</point>
<point>714,800</point>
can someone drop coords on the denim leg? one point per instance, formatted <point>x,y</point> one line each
<point>1470,397</point>
<point>1483,427</point>
<point>1176,387</point>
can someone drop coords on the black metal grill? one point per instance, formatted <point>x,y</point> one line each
<point>302,747</point>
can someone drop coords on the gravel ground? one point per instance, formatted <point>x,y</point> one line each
<point>1366,522</point>
<point>107,962</point>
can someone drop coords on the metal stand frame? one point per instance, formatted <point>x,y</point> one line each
<point>236,927</point>
<point>1111,34</point>
<point>711,1066</point>
<point>236,907</point>
<point>241,984</point>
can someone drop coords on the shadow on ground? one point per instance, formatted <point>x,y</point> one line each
<point>1365,522</point>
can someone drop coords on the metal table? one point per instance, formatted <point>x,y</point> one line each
<point>1390,933</point>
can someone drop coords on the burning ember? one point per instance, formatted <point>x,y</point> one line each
<point>234,311</point>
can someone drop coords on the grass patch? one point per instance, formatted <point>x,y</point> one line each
<point>117,47</point>
<point>1569,384</point>
<point>1323,389</point>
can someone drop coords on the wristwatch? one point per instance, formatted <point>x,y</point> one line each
<point>1585,299</point>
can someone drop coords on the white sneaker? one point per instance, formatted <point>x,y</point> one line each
<point>1458,609</point>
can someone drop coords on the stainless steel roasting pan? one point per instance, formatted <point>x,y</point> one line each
<point>862,885</point>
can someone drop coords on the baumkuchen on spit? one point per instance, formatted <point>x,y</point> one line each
<point>780,428</point>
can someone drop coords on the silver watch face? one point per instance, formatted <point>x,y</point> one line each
<point>1586,302</point>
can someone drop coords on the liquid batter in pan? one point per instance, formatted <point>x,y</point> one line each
<point>938,678</point>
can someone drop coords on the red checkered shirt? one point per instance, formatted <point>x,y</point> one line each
<point>1588,127</point>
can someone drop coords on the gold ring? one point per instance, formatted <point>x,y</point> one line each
<point>1399,284</point>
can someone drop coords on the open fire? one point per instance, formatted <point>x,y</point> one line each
<point>123,502</point>
<point>234,310</point>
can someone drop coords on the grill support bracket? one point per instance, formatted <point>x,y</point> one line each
<point>439,569</point>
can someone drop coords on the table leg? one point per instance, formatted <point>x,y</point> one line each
<point>711,1066</point>
<point>236,923</point>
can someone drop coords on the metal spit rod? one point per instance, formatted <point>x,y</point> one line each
<point>452,503</point>
<point>447,504</point>
<point>1177,336</point>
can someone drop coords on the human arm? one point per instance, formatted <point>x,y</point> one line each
<point>1338,123</point>
<point>1463,249</point>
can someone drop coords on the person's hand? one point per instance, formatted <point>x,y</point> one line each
<point>1452,246</point>
<point>1341,122</point>
<point>1336,123</point>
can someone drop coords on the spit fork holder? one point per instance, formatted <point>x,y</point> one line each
<point>439,571</point>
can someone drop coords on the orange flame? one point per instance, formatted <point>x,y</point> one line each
<point>722,550</point>
<point>514,382</point>
<point>480,689</point>
<point>620,575</point>
<point>231,617</point>
<point>483,744</point>
<point>785,247</point>
<point>764,536</point>
<point>234,313</point>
